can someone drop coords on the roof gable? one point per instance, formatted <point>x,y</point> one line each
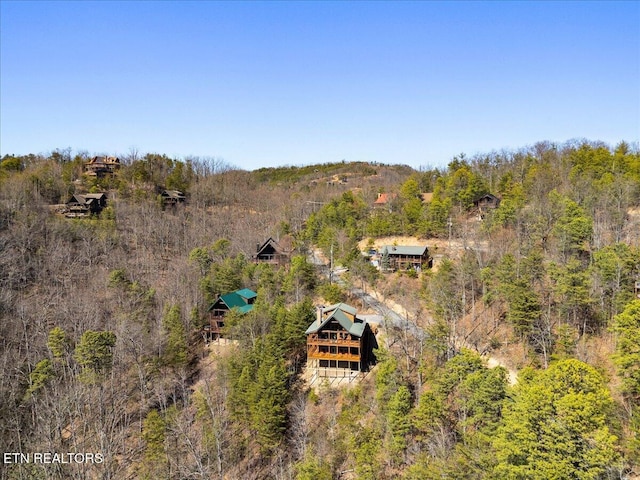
<point>99,159</point>
<point>96,196</point>
<point>341,313</point>
<point>238,299</point>
<point>384,198</point>
<point>88,198</point>
<point>177,194</point>
<point>233,300</point>
<point>269,247</point>
<point>77,198</point>
<point>341,306</point>
<point>487,198</point>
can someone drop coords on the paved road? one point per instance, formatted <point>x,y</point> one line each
<point>388,315</point>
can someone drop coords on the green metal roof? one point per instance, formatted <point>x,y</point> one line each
<point>246,293</point>
<point>405,250</point>
<point>342,306</point>
<point>233,300</point>
<point>339,309</point>
<point>238,299</point>
<point>245,309</point>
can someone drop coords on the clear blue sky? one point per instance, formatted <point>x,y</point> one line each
<point>292,83</point>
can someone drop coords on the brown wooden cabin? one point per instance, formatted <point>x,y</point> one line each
<point>272,252</point>
<point>170,198</point>
<point>339,341</point>
<point>402,257</point>
<point>241,300</point>
<point>100,166</point>
<point>485,203</point>
<point>84,205</point>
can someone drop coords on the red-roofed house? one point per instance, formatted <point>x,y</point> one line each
<point>384,200</point>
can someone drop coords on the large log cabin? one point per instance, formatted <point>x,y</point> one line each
<point>339,343</point>
<point>100,166</point>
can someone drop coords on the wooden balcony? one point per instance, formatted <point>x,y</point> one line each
<point>341,340</point>
<point>215,325</point>
<point>274,259</point>
<point>313,352</point>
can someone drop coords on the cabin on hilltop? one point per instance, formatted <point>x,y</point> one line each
<point>84,205</point>
<point>100,166</point>
<point>240,300</point>
<point>339,343</point>
<point>273,252</point>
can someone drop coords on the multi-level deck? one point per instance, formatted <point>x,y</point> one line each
<point>214,329</point>
<point>334,346</point>
<point>100,166</point>
<point>339,342</point>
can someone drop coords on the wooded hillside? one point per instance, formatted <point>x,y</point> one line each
<point>102,319</point>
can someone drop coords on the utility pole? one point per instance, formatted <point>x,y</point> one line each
<point>331,265</point>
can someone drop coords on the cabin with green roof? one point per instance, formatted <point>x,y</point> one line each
<point>405,257</point>
<point>240,300</point>
<point>339,342</point>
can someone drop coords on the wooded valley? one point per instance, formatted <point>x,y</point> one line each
<point>518,356</point>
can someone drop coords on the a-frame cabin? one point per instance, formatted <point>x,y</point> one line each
<point>271,252</point>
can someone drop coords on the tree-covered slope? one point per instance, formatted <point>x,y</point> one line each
<point>102,349</point>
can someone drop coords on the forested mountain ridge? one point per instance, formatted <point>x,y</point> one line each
<point>102,351</point>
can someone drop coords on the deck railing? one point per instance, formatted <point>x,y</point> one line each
<point>341,339</point>
<point>314,352</point>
